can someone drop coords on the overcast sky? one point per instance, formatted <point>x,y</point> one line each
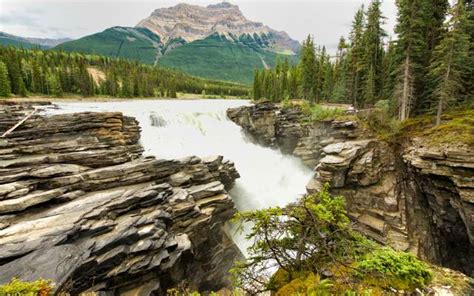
<point>326,20</point>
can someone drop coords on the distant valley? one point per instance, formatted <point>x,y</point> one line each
<point>25,42</point>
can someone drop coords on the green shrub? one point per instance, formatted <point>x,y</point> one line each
<point>286,104</point>
<point>320,113</point>
<point>17,287</point>
<point>395,269</point>
<point>383,105</point>
<point>312,285</point>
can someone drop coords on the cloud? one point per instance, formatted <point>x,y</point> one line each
<point>18,18</point>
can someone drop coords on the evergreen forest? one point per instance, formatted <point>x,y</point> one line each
<point>25,72</point>
<point>428,69</point>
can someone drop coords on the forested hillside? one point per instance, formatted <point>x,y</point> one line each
<point>24,72</point>
<point>216,57</point>
<point>119,42</point>
<point>428,69</point>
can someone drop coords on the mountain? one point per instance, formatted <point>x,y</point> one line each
<point>25,42</point>
<point>193,22</point>
<point>122,42</point>
<point>215,42</point>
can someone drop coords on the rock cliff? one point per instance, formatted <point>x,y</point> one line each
<point>412,196</point>
<point>80,205</point>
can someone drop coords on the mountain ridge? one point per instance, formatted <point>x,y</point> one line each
<point>30,42</point>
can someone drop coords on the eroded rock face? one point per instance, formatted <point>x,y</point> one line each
<point>445,178</point>
<point>81,206</point>
<point>412,197</point>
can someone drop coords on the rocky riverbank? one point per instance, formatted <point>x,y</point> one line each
<point>81,206</point>
<point>412,196</point>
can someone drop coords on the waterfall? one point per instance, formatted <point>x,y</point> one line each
<point>180,128</point>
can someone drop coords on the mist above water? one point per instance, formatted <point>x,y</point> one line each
<point>180,128</point>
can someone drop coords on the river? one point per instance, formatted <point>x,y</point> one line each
<point>200,127</point>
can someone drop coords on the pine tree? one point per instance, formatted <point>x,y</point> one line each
<point>449,59</point>
<point>307,64</point>
<point>14,71</point>
<point>467,98</point>
<point>37,78</point>
<point>390,67</point>
<point>5,90</point>
<point>356,56</point>
<point>371,65</point>
<point>54,86</point>
<point>257,90</point>
<point>412,47</point>
<point>339,93</point>
<point>172,89</point>
<point>126,89</point>
<point>293,82</point>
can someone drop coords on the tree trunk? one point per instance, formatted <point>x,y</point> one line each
<point>405,104</point>
<point>446,81</point>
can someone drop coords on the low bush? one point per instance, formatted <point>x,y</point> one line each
<point>17,287</point>
<point>312,285</point>
<point>388,268</point>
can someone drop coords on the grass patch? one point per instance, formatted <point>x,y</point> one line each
<point>455,128</point>
<point>315,113</point>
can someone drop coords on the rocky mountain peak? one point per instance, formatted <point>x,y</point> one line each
<point>193,22</point>
<point>222,5</point>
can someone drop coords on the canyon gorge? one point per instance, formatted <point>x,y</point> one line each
<point>112,201</point>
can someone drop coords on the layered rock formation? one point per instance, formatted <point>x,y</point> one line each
<point>413,197</point>
<point>81,206</point>
<point>194,22</point>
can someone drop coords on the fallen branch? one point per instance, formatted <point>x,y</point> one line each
<point>18,124</point>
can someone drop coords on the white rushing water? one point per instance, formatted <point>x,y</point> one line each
<point>201,128</point>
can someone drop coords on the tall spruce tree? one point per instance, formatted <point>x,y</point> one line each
<point>413,48</point>
<point>449,60</point>
<point>372,64</point>
<point>5,90</point>
<point>356,56</point>
<point>339,92</point>
<point>308,70</point>
<point>257,89</point>
<point>293,83</point>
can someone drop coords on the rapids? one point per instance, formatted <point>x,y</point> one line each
<point>180,128</point>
